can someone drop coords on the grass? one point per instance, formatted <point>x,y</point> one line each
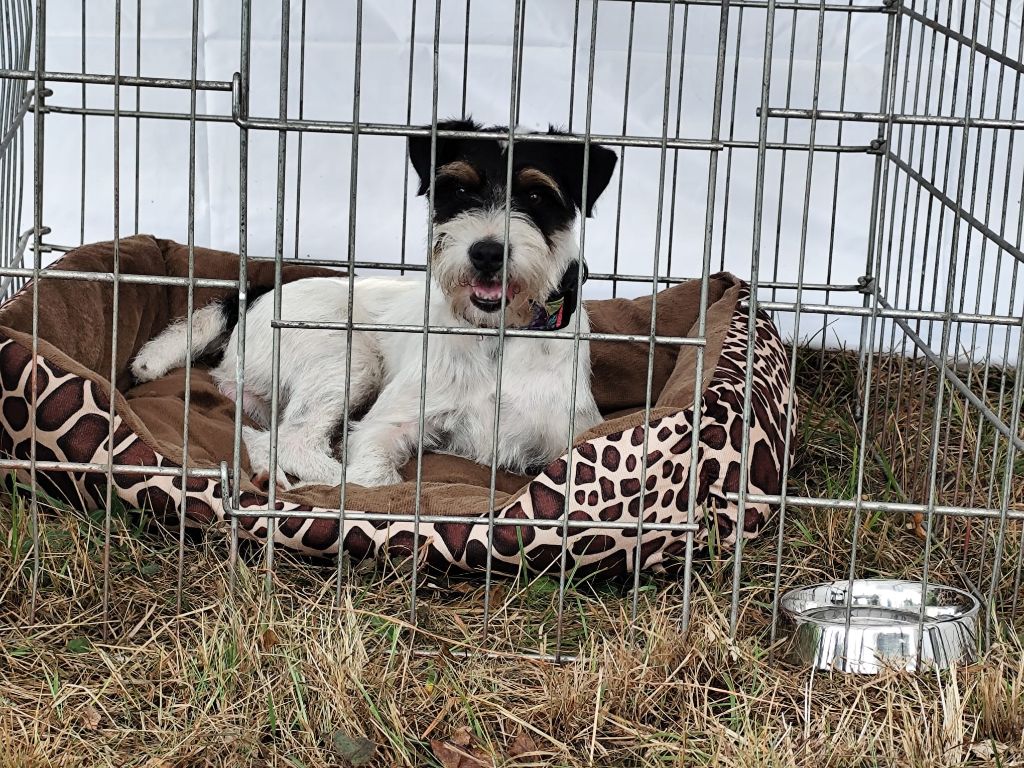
<point>292,678</point>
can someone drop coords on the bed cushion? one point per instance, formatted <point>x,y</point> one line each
<point>602,472</point>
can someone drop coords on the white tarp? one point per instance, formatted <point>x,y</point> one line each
<point>836,224</point>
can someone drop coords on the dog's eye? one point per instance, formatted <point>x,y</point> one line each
<point>460,191</point>
<point>533,197</point>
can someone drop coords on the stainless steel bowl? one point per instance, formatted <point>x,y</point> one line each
<point>884,625</point>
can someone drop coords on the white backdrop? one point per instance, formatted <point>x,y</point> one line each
<point>546,77</point>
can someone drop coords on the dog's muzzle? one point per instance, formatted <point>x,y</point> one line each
<point>488,294</point>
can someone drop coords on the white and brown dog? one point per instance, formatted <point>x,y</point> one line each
<point>470,288</point>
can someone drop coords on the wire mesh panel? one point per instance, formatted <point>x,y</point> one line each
<point>954,223</point>
<point>855,162</point>
<point>16,20</point>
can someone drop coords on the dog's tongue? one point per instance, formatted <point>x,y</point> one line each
<point>487,290</point>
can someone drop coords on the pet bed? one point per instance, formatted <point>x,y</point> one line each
<point>604,465</point>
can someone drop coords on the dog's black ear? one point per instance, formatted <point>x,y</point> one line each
<point>599,172</point>
<point>447,149</point>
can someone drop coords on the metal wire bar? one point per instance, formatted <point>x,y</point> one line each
<point>878,117</point>
<point>801,262</point>
<point>391,129</point>
<point>399,267</point>
<point>408,118</point>
<point>518,33</point>
<point>245,35</point>
<point>952,404</point>
<point>835,190</point>
<point>792,500</point>
<point>461,331</point>
<point>873,261</point>
<point>37,225</point>
<point>138,106</point>
<point>101,467</point>
<point>398,517</point>
<point>907,186</point>
<point>353,188</point>
<point>577,323</point>
<point>84,90</point>
<point>931,231</point>
<point>786,6</point>
<point>709,224</point>
<point>732,133</point>
<point>755,270</point>
<point>108,277</point>
<point>189,304</point>
<point>649,384</point>
<point>275,354</point>
<point>115,312</point>
<point>418,506</point>
<point>675,153</point>
<point>138,114</point>
<point>781,202</point>
<point>395,130</point>
<point>465,58</point>
<point>572,61</point>
<point>184,84</point>
<point>517,91</point>
<point>302,112</point>
<point>919,190</point>
<point>894,507</point>
<point>933,459</point>
<point>622,155</point>
<point>911,314</point>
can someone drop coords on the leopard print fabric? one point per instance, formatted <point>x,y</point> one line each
<point>603,475</point>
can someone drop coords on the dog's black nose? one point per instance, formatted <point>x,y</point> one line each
<point>487,256</point>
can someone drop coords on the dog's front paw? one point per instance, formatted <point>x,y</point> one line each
<point>257,445</point>
<point>156,358</point>
<point>372,475</point>
<point>146,368</point>
<point>261,480</point>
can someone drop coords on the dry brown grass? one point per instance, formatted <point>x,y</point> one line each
<point>293,679</point>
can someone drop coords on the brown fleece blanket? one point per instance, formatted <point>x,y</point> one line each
<point>76,333</point>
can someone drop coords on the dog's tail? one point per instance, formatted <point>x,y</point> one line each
<point>211,327</point>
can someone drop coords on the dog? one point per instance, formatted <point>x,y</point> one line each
<point>470,287</point>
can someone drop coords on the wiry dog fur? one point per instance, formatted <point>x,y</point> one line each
<point>461,370</point>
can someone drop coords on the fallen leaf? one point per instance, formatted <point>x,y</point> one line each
<point>460,751</point>
<point>90,717</point>
<point>79,645</point>
<point>460,623</point>
<point>498,591</point>
<point>357,750</point>
<point>982,750</point>
<point>268,639</point>
<point>523,744</point>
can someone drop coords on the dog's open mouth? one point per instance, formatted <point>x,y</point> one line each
<point>486,293</point>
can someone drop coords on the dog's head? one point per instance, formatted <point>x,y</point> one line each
<point>470,196</point>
